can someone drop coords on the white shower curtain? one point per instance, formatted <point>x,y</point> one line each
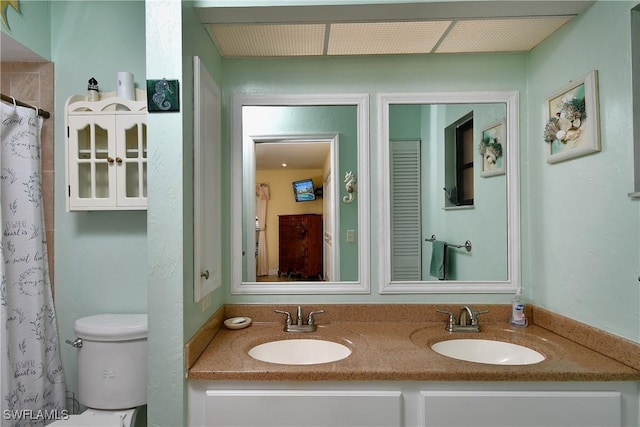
<point>262,196</point>
<point>33,390</point>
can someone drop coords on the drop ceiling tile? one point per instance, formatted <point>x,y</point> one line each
<point>269,40</point>
<point>378,38</point>
<point>499,35</point>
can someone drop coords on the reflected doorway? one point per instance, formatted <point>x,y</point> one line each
<point>297,230</point>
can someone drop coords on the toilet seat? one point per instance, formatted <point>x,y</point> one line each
<point>97,418</point>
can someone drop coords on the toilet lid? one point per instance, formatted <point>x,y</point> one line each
<point>98,418</point>
<point>93,420</point>
<point>112,327</point>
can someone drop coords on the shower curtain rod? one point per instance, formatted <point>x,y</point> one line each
<point>10,100</point>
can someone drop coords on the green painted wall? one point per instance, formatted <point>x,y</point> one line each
<point>166,222</point>
<point>581,235</point>
<point>101,257</point>
<point>172,32</point>
<point>405,121</point>
<point>31,26</point>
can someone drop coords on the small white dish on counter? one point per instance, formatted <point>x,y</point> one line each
<point>237,322</point>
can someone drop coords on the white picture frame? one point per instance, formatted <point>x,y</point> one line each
<point>572,126</point>
<point>492,148</point>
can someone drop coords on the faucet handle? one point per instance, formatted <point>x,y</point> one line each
<point>452,317</point>
<point>310,320</point>
<point>475,316</point>
<point>286,313</point>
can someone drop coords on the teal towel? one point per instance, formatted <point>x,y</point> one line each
<point>438,267</point>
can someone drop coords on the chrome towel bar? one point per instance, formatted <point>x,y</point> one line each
<point>467,244</point>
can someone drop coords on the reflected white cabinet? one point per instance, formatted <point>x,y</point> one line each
<point>106,153</point>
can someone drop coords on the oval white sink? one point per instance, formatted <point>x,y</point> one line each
<point>300,352</point>
<point>488,351</point>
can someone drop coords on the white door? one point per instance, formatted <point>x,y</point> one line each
<point>327,219</point>
<point>406,241</point>
<point>207,184</point>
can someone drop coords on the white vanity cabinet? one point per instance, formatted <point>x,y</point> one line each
<point>521,408</point>
<point>106,153</point>
<point>292,404</point>
<point>413,404</point>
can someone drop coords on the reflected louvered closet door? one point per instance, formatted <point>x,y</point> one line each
<point>406,244</point>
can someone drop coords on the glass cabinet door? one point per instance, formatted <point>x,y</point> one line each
<point>91,157</point>
<point>132,160</point>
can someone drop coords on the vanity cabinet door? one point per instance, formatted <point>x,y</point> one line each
<point>521,408</point>
<point>281,408</point>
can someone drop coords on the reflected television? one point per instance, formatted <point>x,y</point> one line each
<point>303,190</point>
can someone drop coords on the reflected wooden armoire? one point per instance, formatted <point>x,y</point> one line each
<point>300,246</point>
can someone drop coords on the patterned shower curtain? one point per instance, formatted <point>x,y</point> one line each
<point>262,196</point>
<point>33,390</point>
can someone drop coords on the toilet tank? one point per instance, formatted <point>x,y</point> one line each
<point>112,362</point>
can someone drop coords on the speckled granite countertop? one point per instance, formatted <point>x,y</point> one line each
<point>398,348</point>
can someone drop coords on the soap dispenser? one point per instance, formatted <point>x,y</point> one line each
<point>518,317</point>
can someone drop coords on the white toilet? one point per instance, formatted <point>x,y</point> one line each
<point>112,369</point>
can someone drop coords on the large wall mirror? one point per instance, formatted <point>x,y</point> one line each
<point>450,184</point>
<point>296,229</point>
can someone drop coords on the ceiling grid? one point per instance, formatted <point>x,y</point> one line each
<point>417,27</point>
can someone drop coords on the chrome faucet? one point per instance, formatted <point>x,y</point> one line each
<point>299,315</point>
<point>464,313</point>
<point>467,320</point>
<point>299,325</point>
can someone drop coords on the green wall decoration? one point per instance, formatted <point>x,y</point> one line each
<point>163,96</point>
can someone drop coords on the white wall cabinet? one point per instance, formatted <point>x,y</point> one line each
<point>207,183</point>
<point>413,404</point>
<point>106,153</point>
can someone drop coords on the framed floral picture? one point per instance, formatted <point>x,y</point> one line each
<point>492,148</point>
<point>573,125</point>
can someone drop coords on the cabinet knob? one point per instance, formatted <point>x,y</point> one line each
<point>109,159</point>
<point>118,160</point>
<point>205,274</point>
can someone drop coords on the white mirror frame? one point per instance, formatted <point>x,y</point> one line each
<point>512,284</point>
<point>362,285</point>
